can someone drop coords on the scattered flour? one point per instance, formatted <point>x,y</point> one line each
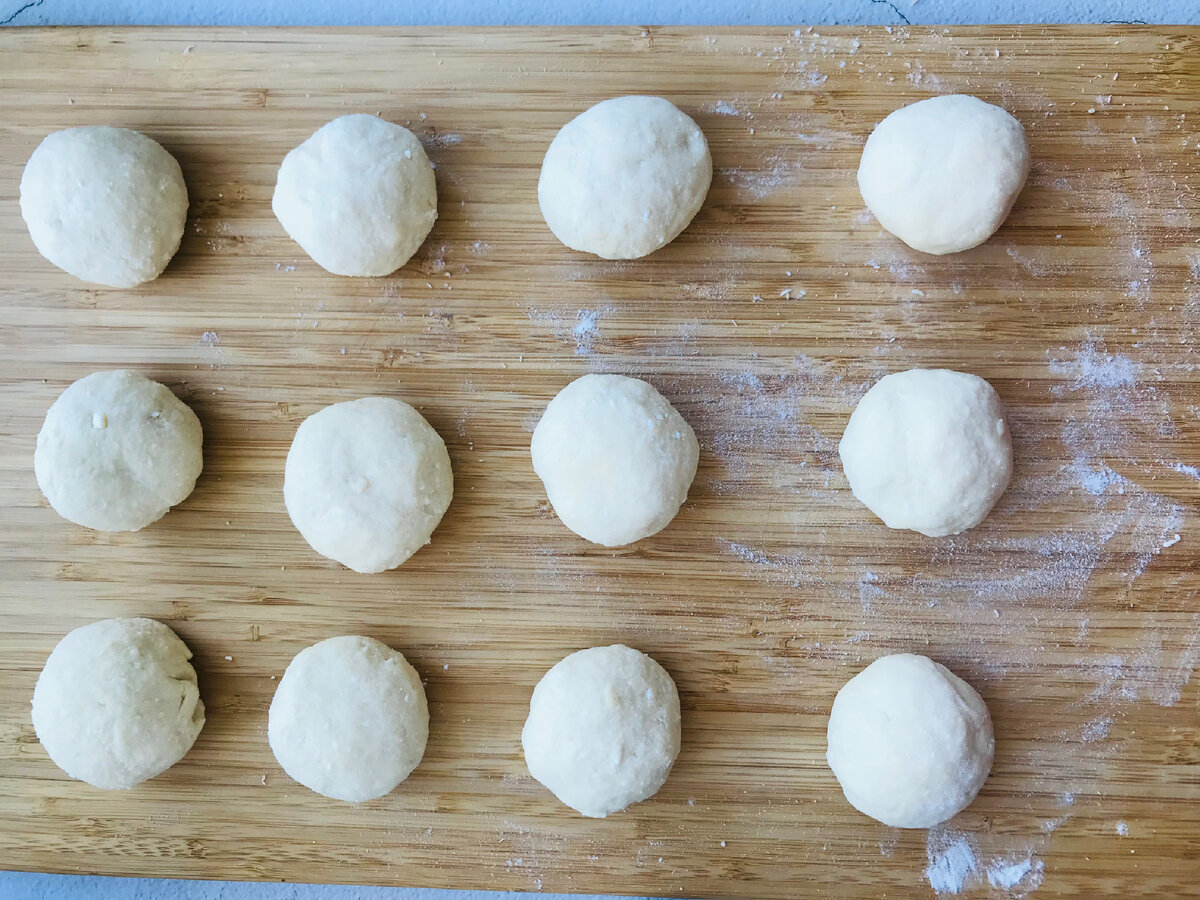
<point>724,108</point>
<point>1021,876</point>
<point>581,327</point>
<point>951,861</point>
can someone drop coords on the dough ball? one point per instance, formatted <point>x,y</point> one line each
<point>366,482</point>
<point>616,458</point>
<point>116,451</point>
<point>624,177</point>
<point>117,702</point>
<point>942,174</point>
<point>358,196</point>
<point>603,729</point>
<point>349,719</point>
<point>909,741</point>
<point>107,205</point>
<point>928,450</point>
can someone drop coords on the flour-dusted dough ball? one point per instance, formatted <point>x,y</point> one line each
<point>107,205</point>
<point>359,196</point>
<point>117,702</point>
<point>367,481</point>
<point>616,458</point>
<point>603,729</point>
<point>117,450</point>
<point>909,741</point>
<point>928,450</point>
<point>942,174</point>
<point>625,177</point>
<point>349,719</point>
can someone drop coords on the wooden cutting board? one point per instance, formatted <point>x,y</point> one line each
<point>1074,608</point>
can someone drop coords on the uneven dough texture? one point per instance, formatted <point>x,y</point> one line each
<point>359,196</point>
<point>107,205</point>
<point>616,458</point>
<point>367,481</point>
<point>625,177</point>
<point>349,719</point>
<point>909,741</point>
<point>117,702</point>
<point>928,450</point>
<point>942,174</point>
<point>117,450</point>
<point>603,729</point>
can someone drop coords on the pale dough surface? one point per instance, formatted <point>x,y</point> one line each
<point>117,450</point>
<point>117,702</point>
<point>603,729</point>
<point>928,450</point>
<point>624,177</point>
<point>349,719</point>
<point>942,174</point>
<point>367,481</point>
<point>909,741</point>
<point>107,205</point>
<point>616,458</point>
<point>359,195</point>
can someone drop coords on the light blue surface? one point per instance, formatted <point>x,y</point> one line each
<point>24,886</point>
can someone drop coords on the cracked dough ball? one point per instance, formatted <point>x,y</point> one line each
<point>117,450</point>
<point>909,741</point>
<point>928,450</point>
<point>616,458</point>
<point>625,177</point>
<point>943,173</point>
<point>117,702</point>
<point>106,205</point>
<point>359,196</point>
<point>603,729</point>
<point>349,719</point>
<point>367,481</point>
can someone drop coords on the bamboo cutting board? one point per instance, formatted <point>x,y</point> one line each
<point>1073,609</point>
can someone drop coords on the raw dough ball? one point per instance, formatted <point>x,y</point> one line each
<point>909,741</point>
<point>624,177</point>
<point>358,196</point>
<point>349,718</point>
<point>107,205</point>
<point>603,729</point>
<point>116,451</point>
<point>616,458</point>
<point>928,450</point>
<point>367,481</point>
<point>942,174</point>
<point>117,702</point>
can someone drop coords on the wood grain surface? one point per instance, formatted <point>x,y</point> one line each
<point>1073,609</point>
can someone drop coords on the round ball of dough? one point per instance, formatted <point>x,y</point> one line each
<point>909,741</point>
<point>367,481</point>
<point>107,205</point>
<point>603,729</point>
<point>349,718</point>
<point>117,702</point>
<point>117,450</point>
<point>359,196</point>
<point>616,458</point>
<point>624,177</point>
<point>928,450</point>
<point>942,174</point>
